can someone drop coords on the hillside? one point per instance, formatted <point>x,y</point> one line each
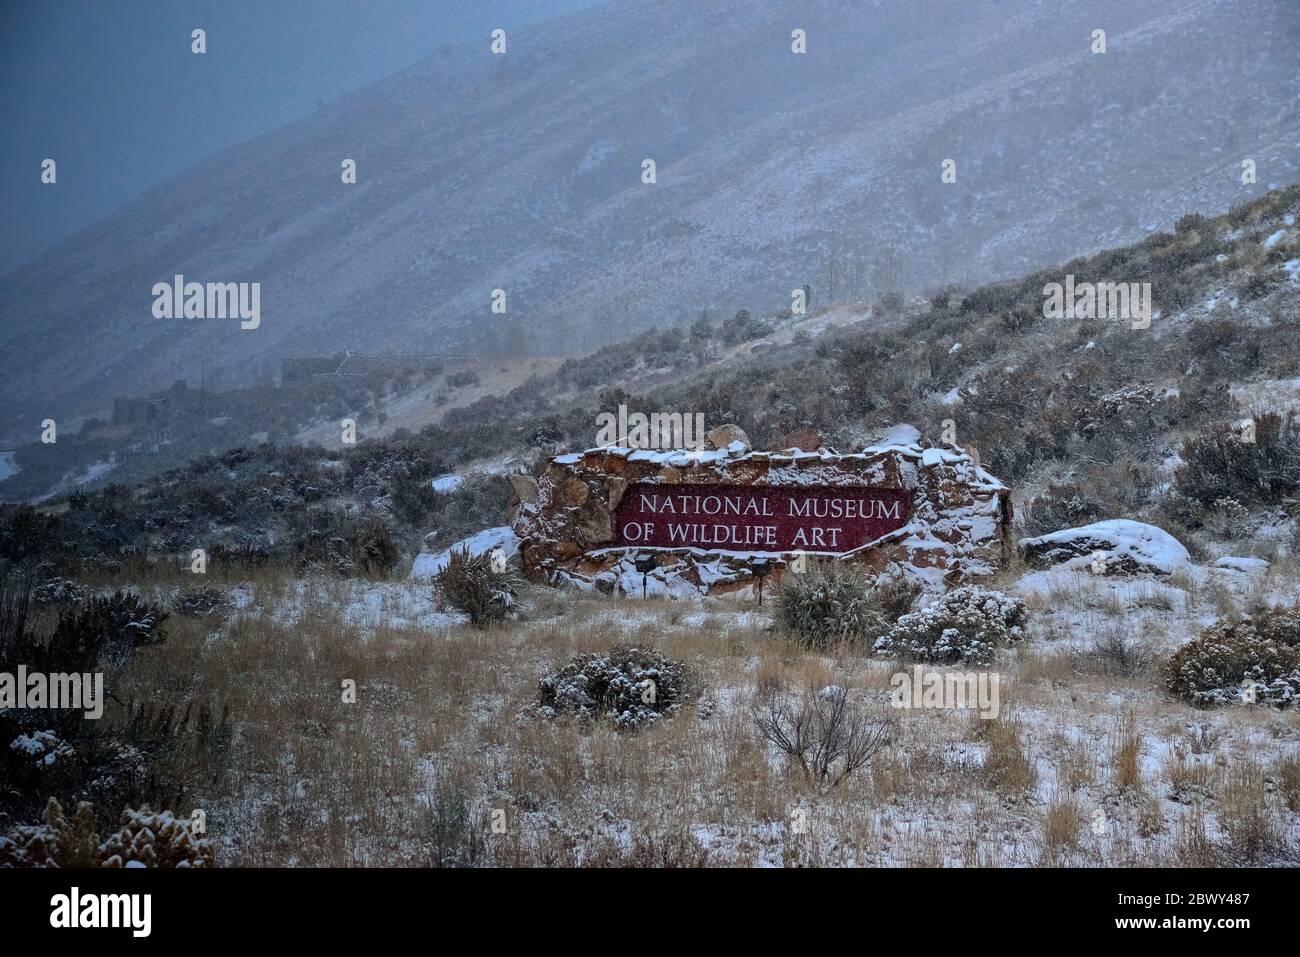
<point>774,170</point>
<point>1084,419</point>
<point>1139,716</point>
<point>1130,709</point>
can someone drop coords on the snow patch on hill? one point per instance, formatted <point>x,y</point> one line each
<point>428,564</point>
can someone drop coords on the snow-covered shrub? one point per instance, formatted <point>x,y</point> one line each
<point>1064,505</point>
<point>630,686</point>
<point>1219,464</point>
<point>125,619</point>
<point>454,835</point>
<point>1226,518</point>
<point>896,596</point>
<point>1113,654</point>
<point>27,845</point>
<point>470,583</point>
<point>1280,623</point>
<point>1125,408</point>
<point>992,417</point>
<point>374,550</point>
<point>150,753</point>
<point>57,842</point>
<point>473,505</point>
<point>59,591</point>
<point>26,534</point>
<point>44,748</point>
<point>742,327</point>
<point>1250,660</point>
<point>342,542</point>
<point>155,840</point>
<point>201,600</point>
<point>831,602</point>
<point>246,554</point>
<point>105,626</point>
<point>966,625</point>
<point>144,838</point>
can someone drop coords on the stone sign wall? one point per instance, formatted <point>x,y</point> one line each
<point>708,518</point>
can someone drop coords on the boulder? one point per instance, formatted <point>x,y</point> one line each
<point>1118,546</point>
<point>616,487</point>
<point>575,492</point>
<point>724,435</point>
<point>806,440</point>
<point>594,526</point>
<point>525,487</point>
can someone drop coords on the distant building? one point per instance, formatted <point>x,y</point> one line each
<point>159,407</point>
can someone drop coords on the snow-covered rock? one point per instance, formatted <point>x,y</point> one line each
<point>729,436</point>
<point>902,435</point>
<point>447,483</point>
<point>1241,564</point>
<point>428,564</point>
<point>1114,546</point>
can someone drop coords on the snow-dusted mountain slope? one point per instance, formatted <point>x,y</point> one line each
<point>524,172</point>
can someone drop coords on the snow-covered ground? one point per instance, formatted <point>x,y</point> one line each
<point>81,477</point>
<point>1079,767</point>
<point>428,564</point>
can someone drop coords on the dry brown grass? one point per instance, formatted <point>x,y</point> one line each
<point>1252,831</point>
<point>1076,766</point>
<point>1062,825</point>
<point>1287,771</point>
<point>1008,769</point>
<point>1126,755</point>
<point>441,736</point>
<point>1193,846</point>
<point>1188,777</point>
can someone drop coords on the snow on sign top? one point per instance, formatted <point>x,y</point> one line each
<point>737,518</point>
<point>712,518</point>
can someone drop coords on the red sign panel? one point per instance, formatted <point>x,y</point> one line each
<point>747,518</point>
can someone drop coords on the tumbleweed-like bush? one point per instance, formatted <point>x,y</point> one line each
<point>826,734</point>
